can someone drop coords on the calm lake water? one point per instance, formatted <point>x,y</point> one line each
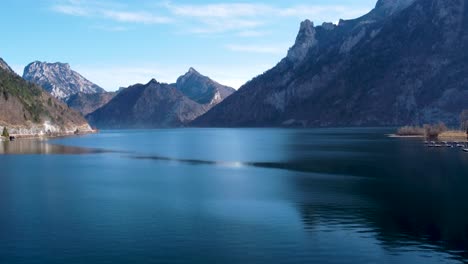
<point>233,196</point>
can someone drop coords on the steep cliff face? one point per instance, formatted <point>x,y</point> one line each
<point>389,7</point>
<point>27,109</point>
<point>403,63</point>
<point>4,66</point>
<point>152,105</point>
<point>59,79</point>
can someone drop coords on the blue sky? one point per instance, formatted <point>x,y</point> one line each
<point>117,43</point>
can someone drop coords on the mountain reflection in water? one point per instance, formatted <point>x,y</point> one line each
<point>33,146</point>
<point>234,196</point>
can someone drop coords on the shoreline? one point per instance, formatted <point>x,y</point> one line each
<point>48,136</point>
<point>445,136</point>
<point>404,136</point>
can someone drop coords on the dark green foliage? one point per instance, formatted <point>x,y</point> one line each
<point>28,94</point>
<point>5,133</point>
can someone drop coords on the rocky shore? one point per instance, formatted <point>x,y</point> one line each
<point>45,130</point>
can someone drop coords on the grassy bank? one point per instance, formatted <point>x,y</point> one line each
<point>453,135</point>
<point>439,132</point>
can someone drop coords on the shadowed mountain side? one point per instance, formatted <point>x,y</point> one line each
<point>153,105</point>
<point>88,103</point>
<point>403,63</point>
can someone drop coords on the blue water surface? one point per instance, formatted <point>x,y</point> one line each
<point>233,196</point>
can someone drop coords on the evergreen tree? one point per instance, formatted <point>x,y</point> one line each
<point>5,133</point>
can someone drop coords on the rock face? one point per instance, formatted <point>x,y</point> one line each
<point>88,103</point>
<point>402,63</point>
<point>389,7</point>
<point>59,79</point>
<point>26,108</point>
<point>159,105</point>
<point>4,66</point>
<point>202,89</point>
<point>153,105</point>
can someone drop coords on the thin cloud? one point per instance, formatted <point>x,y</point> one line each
<point>210,26</point>
<point>136,17</point>
<point>242,19</point>
<point>245,18</point>
<point>252,33</point>
<point>109,11</point>
<point>70,10</point>
<point>257,49</point>
<point>322,12</point>
<point>222,10</point>
<point>112,28</point>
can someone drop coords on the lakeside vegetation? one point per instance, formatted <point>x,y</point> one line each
<point>5,133</point>
<point>432,132</point>
<point>437,131</point>
<point>428,131</point>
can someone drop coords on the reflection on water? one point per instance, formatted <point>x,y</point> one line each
<point>411,198</point>
<point>414,197</point>
<point>42,147</point>
<point>234,196</point>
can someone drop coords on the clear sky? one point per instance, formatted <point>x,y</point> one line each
<point>117,43</point>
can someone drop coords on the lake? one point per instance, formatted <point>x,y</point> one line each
<point>233,196</point>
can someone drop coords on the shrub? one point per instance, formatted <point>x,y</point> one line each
<point>429,131</point>
<point>411,131</point>
<point>433,131</point>
<point>5,133</point>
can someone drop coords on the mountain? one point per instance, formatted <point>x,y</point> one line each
<point>59,79</point>
<point>4,66</point>
<point>151,105</point>
<point>402,63</point>
<point>157,104</point>
<point>88,103</point>
<point>202,89</point>
<point>26,108</point>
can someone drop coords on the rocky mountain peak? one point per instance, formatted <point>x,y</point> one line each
<point>402,63</point>
<point>27,109</point>
<point>192,71</point>
<point>45,65</point>
<point>156,104</point>
<point>304,41</point>
<point>151,105</point>
<point>153,81</point>
<point>389,7</point>
<point>59,79</point>
<point>328,26</point>
<point>4,66</point>
<point>202,89</point>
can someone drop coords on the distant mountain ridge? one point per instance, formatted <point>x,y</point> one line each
<point>150,105</point>
<point>59,79</point>
<point>402,63</point>
<point>26,108</point>
<point>202,89</point>
<point>155,105</point>
<point>88,103</point>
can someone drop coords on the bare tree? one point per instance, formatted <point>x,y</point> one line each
<point>464,120</point>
